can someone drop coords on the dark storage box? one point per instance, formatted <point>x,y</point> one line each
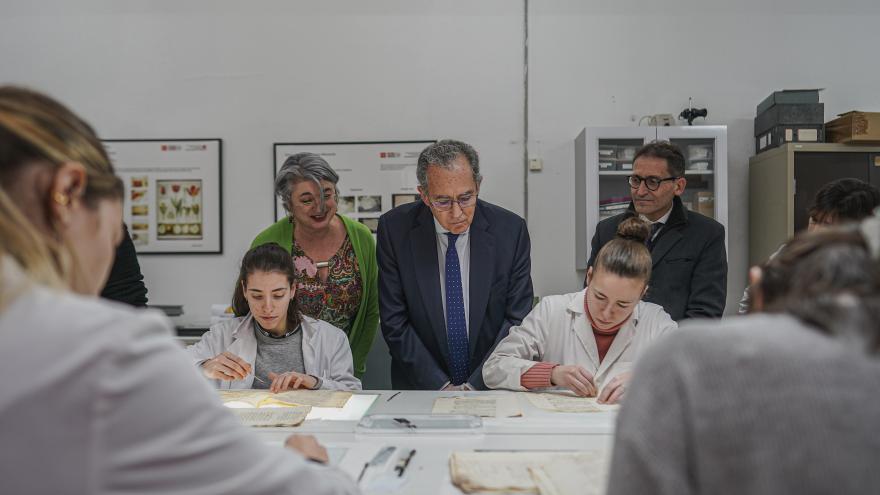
<point>788,96</point>
<point>782,134</point>
<point>783,114</point>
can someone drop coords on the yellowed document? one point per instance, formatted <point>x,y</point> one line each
<point>501,406</point>
<point>564,403</point>
<point>314,398</point>
<point>475,472</point>
<point>272,416</point>
<point>533,472</point>
<point>580,474</point>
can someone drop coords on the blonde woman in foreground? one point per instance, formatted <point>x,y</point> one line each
<point>97,394</point>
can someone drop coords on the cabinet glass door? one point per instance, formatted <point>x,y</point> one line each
<point>699,170</point>
<point>705,157</point>
<point>615,159</point>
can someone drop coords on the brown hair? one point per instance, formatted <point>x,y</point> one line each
<point>828,280</point>
<point>269,258</point>
<point>37,130</point>
<point>626,255</point>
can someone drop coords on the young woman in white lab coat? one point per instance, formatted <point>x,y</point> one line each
<point>587,341</point>
<point>270,344</point>
<point>99,398</point>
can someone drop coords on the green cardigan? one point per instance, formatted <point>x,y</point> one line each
<point>367,319</point>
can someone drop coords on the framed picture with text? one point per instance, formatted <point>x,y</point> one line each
<point>173,193</point>
<point>374,176</point>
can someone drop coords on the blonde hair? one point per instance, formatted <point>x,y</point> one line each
<point>35,129</point>
<point>626,255</point>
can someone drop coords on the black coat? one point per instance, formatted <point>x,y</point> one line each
<point>125,282</point>
<point>410,304</point>
<point>689,274</point>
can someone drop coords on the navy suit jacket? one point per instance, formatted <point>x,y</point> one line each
<point>410,303</point>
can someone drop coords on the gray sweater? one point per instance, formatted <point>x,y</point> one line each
<point>757,404</point>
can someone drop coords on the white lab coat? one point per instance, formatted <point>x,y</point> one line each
<point>98,399</point>
<point>326,353</point>
<point>558,331</point>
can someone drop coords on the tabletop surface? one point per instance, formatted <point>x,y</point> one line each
<point>428,472</point>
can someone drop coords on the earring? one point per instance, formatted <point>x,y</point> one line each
<point>61,198</point>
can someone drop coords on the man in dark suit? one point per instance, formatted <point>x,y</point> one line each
<point>689,274</point>
<point>454,275</point>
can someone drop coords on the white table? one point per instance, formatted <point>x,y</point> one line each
<point>429,470</point>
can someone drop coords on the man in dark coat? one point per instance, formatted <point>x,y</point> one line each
<point>689,274</point>
<point>454,275</point>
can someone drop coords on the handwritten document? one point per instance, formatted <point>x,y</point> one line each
<point>501,406</point>
<point>275,416</point>
<point>314,398</point>
<point>545,473</point>
<point>564,403</point>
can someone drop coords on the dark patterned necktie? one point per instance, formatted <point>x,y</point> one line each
<point>655,227</point>
<point>456,326</point>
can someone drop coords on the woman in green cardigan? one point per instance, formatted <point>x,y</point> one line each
<point>334,256</point>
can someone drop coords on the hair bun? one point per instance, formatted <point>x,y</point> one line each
<point>634,229</point>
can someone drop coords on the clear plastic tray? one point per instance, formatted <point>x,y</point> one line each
<point>419,423</point>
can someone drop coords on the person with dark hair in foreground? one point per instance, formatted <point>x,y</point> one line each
<point>784,401</point>
<point>836,203</point>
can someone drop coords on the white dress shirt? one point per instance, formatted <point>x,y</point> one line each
<point>661,220</point>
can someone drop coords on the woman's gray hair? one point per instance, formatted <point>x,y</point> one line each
<point>442,154</point>
<point>300,167</point>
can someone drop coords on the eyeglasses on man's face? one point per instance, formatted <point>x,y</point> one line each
<point>444,203</point>
<point>652,183</point>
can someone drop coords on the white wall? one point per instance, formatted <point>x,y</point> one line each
<point>257,73</point>
<point>598,65</point>
<point>253,73</point>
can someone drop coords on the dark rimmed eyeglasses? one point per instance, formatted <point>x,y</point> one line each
<point>464,201</point>
<point>652,183</point>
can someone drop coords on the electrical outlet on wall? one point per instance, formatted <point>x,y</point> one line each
<point>536,164</point>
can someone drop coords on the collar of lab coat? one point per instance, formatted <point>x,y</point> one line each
<point>244,345</point>
<point>584,332</point>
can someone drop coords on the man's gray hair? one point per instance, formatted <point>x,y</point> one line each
<point>442,154</point>
<point>300,167</point>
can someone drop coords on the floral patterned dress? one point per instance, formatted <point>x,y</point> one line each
<point>335,300</point>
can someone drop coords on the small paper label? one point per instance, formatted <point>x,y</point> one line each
<point>788,135</point>
<point>808,135</point>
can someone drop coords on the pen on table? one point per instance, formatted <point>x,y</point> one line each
<point>400,468</point>
<point>393,396</point>
<point>364,470</point>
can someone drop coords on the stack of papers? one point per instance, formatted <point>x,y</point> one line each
<point>542,472</point>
